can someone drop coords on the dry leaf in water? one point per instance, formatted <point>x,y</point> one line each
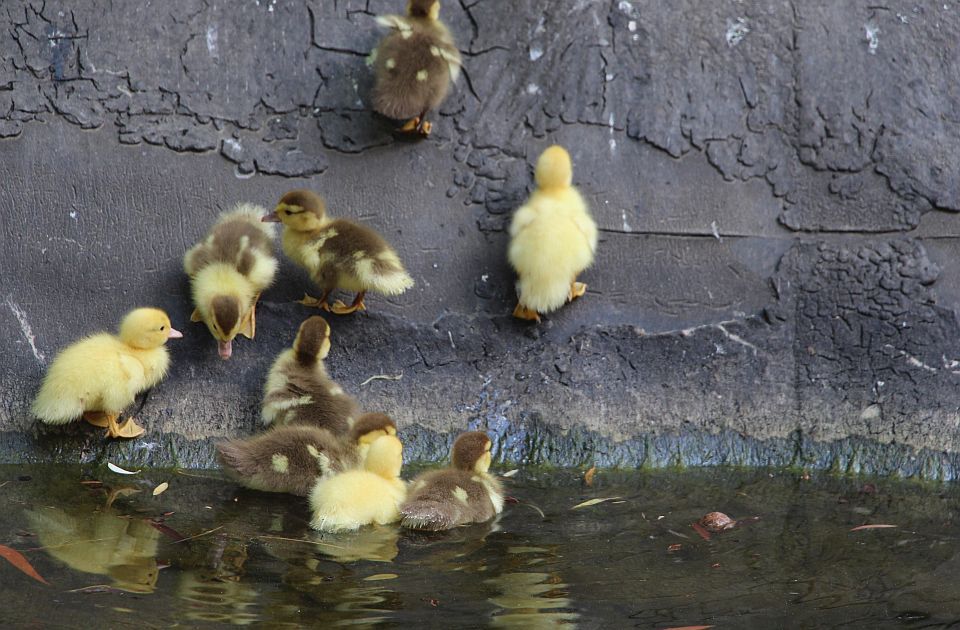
<point>161,488</point>
<point>593,502</point>
<point>588,476</point>
<point>17,559</point>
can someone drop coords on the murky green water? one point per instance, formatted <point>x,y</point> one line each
<point>204,553</point>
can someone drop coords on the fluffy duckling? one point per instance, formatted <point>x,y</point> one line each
<point>462,494</point>
<point>290,459</point>
<point>362,497</point>
<point>228,270</point>
<point>99,376</point>
<point>337,253</point>
<point>414,65</point>
<point>298,390</point>
<point>552,239</point>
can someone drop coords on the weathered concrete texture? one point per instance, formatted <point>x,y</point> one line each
<point>776,280</point>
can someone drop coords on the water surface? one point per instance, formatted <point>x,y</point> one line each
<point>205,553</point>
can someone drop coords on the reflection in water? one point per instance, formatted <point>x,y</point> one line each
<point>124,549</point>
<point>531,600</point>
<point>217,601</point>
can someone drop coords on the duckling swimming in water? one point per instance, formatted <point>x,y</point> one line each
<point>292,458</point>
<point>228,270</point>
<point>356,498</point>
<point>98,377</point>
<point>337,253</point>
<point>462,494</point>
<point>553,239</point>
<point>414,65</point>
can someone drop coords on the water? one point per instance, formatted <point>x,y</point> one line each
<point>115,558</point>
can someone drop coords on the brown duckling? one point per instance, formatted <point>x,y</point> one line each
<point>462,494</point>
<point>228,270</point>
<point>292,458</point>
<point>298,389</point>
<point>337,253</point>
<point>414,65</point>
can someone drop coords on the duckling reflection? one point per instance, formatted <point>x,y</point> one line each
<point>124,549</point>
<point>377,543</point>
<point>530,599</point>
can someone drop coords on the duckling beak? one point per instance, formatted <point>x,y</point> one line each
<point>225,348</point>
<point>174,334</point>
<point>273,217</point>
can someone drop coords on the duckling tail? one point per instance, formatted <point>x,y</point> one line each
<point>428,515</point>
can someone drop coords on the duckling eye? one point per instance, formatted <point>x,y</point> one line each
<point>162,328</point>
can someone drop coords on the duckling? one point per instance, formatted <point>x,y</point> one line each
<point>228,270</point>
<point>552,239</point>
<point>290,459</point>
<point>337,253</point>
<point>99,376</point>
<point>462,494</point>
<point>414,65</point>
<point>365,496</point>
<point>298,390</point>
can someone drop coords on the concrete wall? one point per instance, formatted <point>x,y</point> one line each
<point>776,185</point>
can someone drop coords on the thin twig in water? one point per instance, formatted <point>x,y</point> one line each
<point>180,471</point>
<point>532,506</point>
<point>4,483</point>
<point>301,540</point>
<point>382,377</point>
<point>209,531</point>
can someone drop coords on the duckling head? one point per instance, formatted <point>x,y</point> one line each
<point>225,322</point>
<point>554,169</point>
<point>313,341</point>
<point>471,452</point>
<point>429,9</point>
<point>147,328</point>
<point>385,457</point>
<point>371,426</point>
<point>300,210</point>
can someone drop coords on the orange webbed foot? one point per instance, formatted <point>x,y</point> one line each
<point>576,290</point>
<point>522,312</point>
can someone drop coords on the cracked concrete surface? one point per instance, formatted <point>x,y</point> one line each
<point>776,281</point>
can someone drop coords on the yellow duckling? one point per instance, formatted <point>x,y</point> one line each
<point>292,458</point>
<point>298,390</point>
<point>414,65</point>
<point>362,497</point>
<point>337,253</point>
<point>552,239</point>
<point>99,376</point>
<point>462,494</point>
<point>228,270</point>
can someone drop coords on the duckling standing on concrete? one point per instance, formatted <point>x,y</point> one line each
<point>101,375</point>
<point>337,253</point>
<point>462,494</point>
<point>552,239</point>
<point>414,65</point>
<point>228,270</point>
<point>292,458</point>
<point>298,389</point>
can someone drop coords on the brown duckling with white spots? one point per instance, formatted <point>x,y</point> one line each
<point>298,389</point>
<point>337,253</point>
<point>292,458</point>
<point>414,65</point>
<point>228,270</point>
<point>462,494</point>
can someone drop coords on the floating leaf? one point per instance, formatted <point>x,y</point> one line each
<point>877,526</point>
<point>590,502</point>
<point>96,588</point>
<point>161,488</point>
<point>697,527</point>
<point>511,473</point>
<point>588,476</point>
<point>17,559</point>
<point>688,628</point>
<point>674,547</point>
<point>380,576</point>
<point>120,471</point>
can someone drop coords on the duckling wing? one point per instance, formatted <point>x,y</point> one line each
<point>445,499</point>
<point>361,260</point>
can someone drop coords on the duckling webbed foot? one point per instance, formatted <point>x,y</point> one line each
<point>98,418</point>
<point>129,429</point>
<point>249,329</point>
<point>576,290</point>
<point>522,312</point>
<point>320,302</point>
<point>339,308</point>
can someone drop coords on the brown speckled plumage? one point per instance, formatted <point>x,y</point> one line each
<point>225,244</point>
<point>455,496</point>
